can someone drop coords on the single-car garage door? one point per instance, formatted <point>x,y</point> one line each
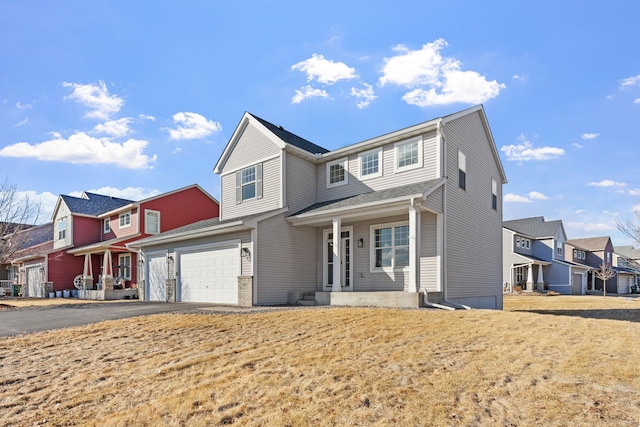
<point>34,282</point>
<point>210,274</point>
<point>157,276</point>
<point>576,284</point>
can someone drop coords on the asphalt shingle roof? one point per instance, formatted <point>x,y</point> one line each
<point>37,235</point>
<point>291,138</point>
<point>590,243</point>
<point>96,204</point>
<point>627,252</point>
<point>374,196</point>
<point>535,227</point>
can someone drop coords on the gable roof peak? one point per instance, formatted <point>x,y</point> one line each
<point>289,137</point>
<point>535,226</point>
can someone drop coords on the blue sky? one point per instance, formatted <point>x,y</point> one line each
<point>137,98</point>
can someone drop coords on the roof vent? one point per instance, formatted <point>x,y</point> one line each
<point>280,127</point>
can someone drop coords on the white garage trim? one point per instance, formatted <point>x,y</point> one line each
<point>225,267</point>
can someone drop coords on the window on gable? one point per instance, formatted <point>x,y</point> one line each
<point>125,219</point>
<point>249,183</point>
<point>62,229</point>
<point>370,164</point>
<point>559,249</point>
<point>151,222</point>
<point>528,243</point>
<point>124,266</point>
<point>517,241</point>
<point>462,170</point>
<point>408,154</point>
<point>107,225</point>
<point>390,246</point>
<point>494,194</point>
<point>337,172</point>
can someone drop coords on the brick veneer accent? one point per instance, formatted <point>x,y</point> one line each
<point>245,291</point>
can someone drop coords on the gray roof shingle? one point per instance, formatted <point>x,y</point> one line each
<point>291,138</point>
<point>590,243</point>
<point>95,204</point>
<point>374,196</point>
<point>534,227</point>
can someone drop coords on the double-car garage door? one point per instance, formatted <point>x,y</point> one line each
<point>204,274</point>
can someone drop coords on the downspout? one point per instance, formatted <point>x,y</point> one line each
<point>443,159</point>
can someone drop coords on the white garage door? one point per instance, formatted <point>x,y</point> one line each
<point>156,278</point>
<point>210,275</point>
<point>34,286</point>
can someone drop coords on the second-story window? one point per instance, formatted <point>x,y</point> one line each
<point>370,164</point>
<point>151,222</point>
<point>462,170</point>
<point>408,154</point>
<point>494,194</point>
<point>107,225</point>
<point>337,172</point>
<point>125,219</point>
<point>249,183</point>
<point>559,249</point>
<point>62,229</point>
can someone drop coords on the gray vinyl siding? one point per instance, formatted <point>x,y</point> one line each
<point>508,259</point>
<point>543,249</point>
<point>434,200</point>
<point>244,236</point>
<point>558,276</point>
<point>473,229</point>
<point>388,179</point>
<point>429,253</point>
<point>286,260</point>
<point>252,147</point>
<point>301,183</point>
<point>270,193</point>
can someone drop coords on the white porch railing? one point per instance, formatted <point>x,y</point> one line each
<point>6,284</point>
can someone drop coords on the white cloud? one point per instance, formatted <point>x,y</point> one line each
<point>365,96</point>
<point>81,148</point>
<point>129,193</point>
<point>119,127</point>
<point>46,200</point>
<point>324,70</point>
<point>97,98</point>
<point>520,77</point>
<point>436,80</point>
<point>22,122</point>
<point>192,126</point>
<point>22,106</point>
<point>634,191</point>
<point>514,198</point>
<point>606,183</point>
<point>308,92</point>
<point>177,150</point>
<point>589,135</point>
<point>591,226</point>
<point>579,211</point>
<point>537,196</point>
<point>606,212</point>
<point>630,81</point>
<point>147,117</point>
<point>577,145</point>
<point>636,101</point>
<point>525,151</point>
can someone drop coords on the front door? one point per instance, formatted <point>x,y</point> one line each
<point>346,260</point>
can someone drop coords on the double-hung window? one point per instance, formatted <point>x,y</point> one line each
<point>124,266</point>
<point>151,222</point>
<point>389,246</point>
<point>249,183</point>
<point>370,164</point>
<point>462,170</point>
<point>107,225</point>
<point>494,194</point>
<point>337,172</point>
<point>125,219</point>
<point>408,154</point>
<point>62,229</point>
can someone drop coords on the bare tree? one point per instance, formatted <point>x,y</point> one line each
<point>604,273</point>
<point>631,228</point>
<point>17,215</point>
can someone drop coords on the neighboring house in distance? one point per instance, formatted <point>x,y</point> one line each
<point>535,257</point>
<point>599,251</point>
<point>626,261</point>
<point>28,263</point>
<point>404,219</point>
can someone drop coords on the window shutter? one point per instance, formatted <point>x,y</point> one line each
<point>238,187</point>
<point>259,181</point>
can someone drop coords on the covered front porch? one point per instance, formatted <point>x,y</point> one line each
<point>389,251</point>
<point>108,272</point>
<point>528,276</point>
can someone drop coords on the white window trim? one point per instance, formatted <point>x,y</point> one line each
<point>120,257</point>
<point>397,145</point>
<point>60,222</point>
<point>372,254</point>
<point>106,225</point>
<point>378,174</point>
<point>146,212</point>
<point>120,225</point>
<point>345,162</point>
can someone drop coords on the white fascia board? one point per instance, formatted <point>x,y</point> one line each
<point>569,264</point>
<point>125,208</point>
<point>203,232</point>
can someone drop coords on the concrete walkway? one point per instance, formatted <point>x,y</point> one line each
<point>15,321</point>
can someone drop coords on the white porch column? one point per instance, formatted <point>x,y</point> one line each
<point>414,248</point>
<point>87,271</point>
<point>106,264</point>
<point>540,278</point>
<point>530,278</point>
<point>337,255</point>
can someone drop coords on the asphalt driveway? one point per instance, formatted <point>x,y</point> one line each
<point>15,321</point>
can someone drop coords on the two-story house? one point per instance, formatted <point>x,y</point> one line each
<point>599,251</point>
<point>626,261</point>
<point>536,257</point>
<point>408,218</point>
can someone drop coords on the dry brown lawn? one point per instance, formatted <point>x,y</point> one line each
<point>551,361</point>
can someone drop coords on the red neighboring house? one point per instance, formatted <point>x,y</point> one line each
<point>90,233</point>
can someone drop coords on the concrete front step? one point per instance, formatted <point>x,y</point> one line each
<point>307,302</point>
